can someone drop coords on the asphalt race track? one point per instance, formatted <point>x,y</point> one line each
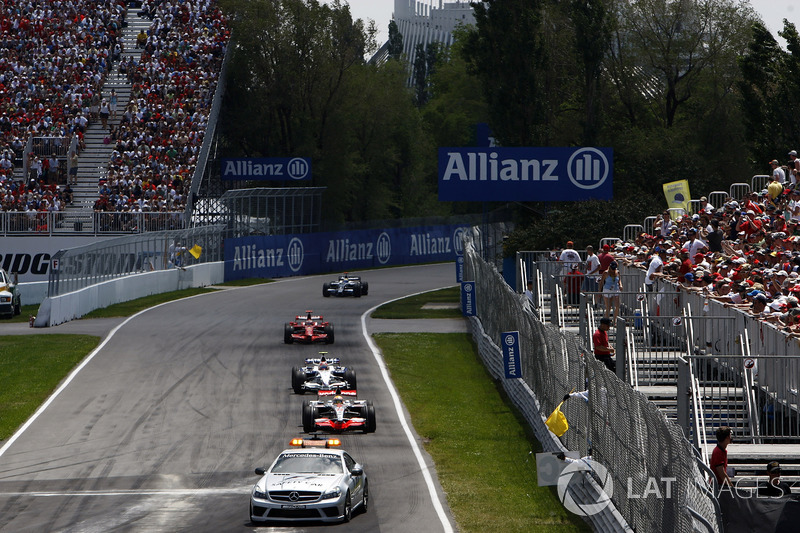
<point>162,429</point>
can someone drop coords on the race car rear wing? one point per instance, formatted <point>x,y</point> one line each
<point>330,361</point>
<point>328,392</point>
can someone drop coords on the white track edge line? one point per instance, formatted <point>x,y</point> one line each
<point>437,504</point>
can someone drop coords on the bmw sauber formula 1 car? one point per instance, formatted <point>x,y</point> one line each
<point>346,285</point>
<point>310,483</point>
<point>322,374</point>
<point>338,411</point>
<point>308,328</point>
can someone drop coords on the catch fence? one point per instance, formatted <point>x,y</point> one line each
<point>618,426</point>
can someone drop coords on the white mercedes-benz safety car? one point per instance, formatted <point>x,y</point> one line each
<point>314,480</point>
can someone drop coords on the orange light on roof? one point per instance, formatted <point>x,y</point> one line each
<point>297,442</point>
<point>333,442</point>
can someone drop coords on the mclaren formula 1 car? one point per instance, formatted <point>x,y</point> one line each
<point>310,483</point>
<point>338,411</point>
<point>308,328</point>
<point>322,374</point>
<point>346,285</point>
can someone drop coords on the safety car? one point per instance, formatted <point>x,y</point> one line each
<point>322,374</point>
<point>337,411</point>
<point>313,480</point>
<point>10,300</point>
<point>308,328</point>
<point>346,285</point>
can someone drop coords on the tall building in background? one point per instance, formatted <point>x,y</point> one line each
<point>426,21</point>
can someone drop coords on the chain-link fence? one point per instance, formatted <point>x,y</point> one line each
<point>79,267</point>
<point>656,475</point>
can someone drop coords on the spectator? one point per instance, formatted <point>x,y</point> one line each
<point>592,274</point>
<point>529,291</point>
<point>794,168</point>
<point>719,457</point>
<point>569,257</point>
<point>705,207</point>
<point>605,257</point>
<point>654,268</point>
<point>777,172</point>
<point>572,284</point>
<point>774,487</point>
<point>603,351</point>
<point>611,283</point>
<point>665,225</point>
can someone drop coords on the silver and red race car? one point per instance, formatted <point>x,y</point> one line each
<point>338,411</point>
<point>322,374</point>
<point>308,328</point>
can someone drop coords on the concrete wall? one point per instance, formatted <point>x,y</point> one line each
<point>33,292</point>
<point>60,309</point>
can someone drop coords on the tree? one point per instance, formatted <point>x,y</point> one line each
<point>395,48</point>
<point>505,51</point>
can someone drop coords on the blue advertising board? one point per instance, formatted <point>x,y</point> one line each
<point>313,253</point>
<point>525,174</point>
<point>266,168</point>
<point>468,298</point>
<point>511,353</point>
<point>459,269</point>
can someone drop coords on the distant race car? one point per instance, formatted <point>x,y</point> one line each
<point>346,285</point>
<point>322,374</point>
<point>308,328</point>
<point>10,301</point>
<point>310,483</point>
<point>338,410</point>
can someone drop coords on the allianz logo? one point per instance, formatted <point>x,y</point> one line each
<point>587,168</point>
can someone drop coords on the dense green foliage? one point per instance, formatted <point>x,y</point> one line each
<point>680,89</point>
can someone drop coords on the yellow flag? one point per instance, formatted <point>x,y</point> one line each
<point>195,251</point>
<point>677,193</point>
<point>557,422</point>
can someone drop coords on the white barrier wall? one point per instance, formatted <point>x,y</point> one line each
<point>33,292</point>
<point>60,309</point>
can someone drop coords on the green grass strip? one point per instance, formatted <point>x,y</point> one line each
<point>484,454</point>
<point>411,307</point>
<point>134,306</point>
<point>31,367</point>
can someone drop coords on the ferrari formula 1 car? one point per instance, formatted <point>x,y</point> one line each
<point>338,411</point>
<point>308,328</point>
<point>322,374</point>
<point>346,285</point>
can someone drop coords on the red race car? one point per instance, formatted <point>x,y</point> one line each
<point>308,328</point>
<point>338,411</point>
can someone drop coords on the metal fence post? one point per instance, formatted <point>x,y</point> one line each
<point>582,316</point>
<point>553,305</point>
<point>683,395</point>
<point>619,347</point>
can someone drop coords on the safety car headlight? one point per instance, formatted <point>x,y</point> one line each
<point>333,493</point>
<point>260,495</point>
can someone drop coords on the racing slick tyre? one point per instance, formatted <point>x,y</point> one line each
<point>357,290</point>
<point>325,288</point>
<point>350,378</point>
<point>298,379</point>
<point>348,509</point>
<point>287,333</point>
<point>371,422</point>
<point>330,334</point>
<point>364,288</point>
<point>308,418</point>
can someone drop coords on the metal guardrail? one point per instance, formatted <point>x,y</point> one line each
<point>49,223</point>
<point>80,267</point>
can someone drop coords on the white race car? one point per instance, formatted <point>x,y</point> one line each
<point>315,480</point>
<point>322,374</point>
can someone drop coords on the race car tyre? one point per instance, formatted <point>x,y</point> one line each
<point>330,334</point>
<point>371,422</point>
<point>348,509</point>
<point>287,333</point>
<point>325,288</point>
<point>364,288</point>
<point>357,290</point>
<point>308,418</point>
<point>298,379</point>
<point>350,378</point>
<point>365,498</point>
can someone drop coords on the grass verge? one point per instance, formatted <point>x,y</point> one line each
<point>483,451</point>
<point>411,307</point>
<point>31,367</point>
<point>134,306</point>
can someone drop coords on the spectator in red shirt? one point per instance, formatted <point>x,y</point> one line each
<point>602,349</point>
<point>605,258</point>
<point>719,457</point>
<point>572,285</point>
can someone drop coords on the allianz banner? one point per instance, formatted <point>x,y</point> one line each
<point>313,253</point>
<point>266,168</point>
<point>525,174</point>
